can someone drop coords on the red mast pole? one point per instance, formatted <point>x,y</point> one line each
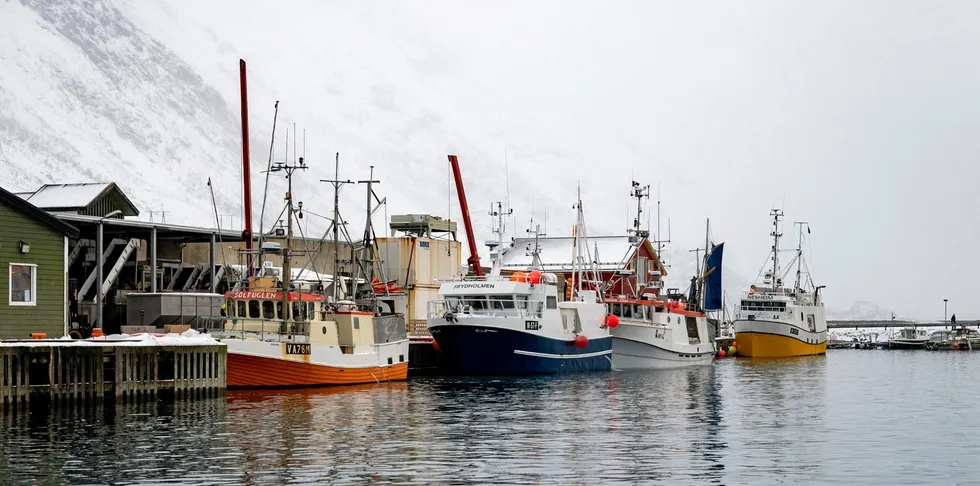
<point>474,260</point>
<point>247,179</point>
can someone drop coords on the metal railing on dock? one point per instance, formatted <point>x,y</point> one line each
<point>63,372</point>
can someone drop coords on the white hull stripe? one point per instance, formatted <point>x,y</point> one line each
<point>562,356</point>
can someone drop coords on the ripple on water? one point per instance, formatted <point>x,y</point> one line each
<point>855,416</point>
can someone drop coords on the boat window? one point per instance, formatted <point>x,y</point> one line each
<point>279,313</point>
<point>648,313</point>
<point>522,302</point>
<point>357,323</point>
<point>476,303</point>
<point>614,309</point>
<point>240,311</point>
<point>552,302</point>
<point>268,310</point>
<point>692,330</point>
<point>502,302</point>
<point>812,321</point>
<point>310,310</point>
<point>299,313</point>
<point>638,311</point>
<point>627,311</point>
<point>253,309</point>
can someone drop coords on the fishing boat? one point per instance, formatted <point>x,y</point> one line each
<point>775,321</point>
<point>651,330</point>
<point>522,323</point>
<point>908,338</point>
<point>285,333</point>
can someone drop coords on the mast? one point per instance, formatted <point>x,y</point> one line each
<point>336,183</point>
<point>367,253</point>
<point>638,193</point>
<point>246,176</point>
<point>287,252</point>
<point>799,256</point>
<point>499,228</point>
<point>776,214</point>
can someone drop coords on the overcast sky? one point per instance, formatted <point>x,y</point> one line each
<point>859,117</point>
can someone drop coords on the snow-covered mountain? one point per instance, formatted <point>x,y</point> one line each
<point>146,94</point>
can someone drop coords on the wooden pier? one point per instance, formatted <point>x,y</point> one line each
<point>33,370</point>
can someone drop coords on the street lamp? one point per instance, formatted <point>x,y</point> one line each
<point>944,313</point>
<point>98,267</point>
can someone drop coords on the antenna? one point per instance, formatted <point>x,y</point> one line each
<point>337,184</point>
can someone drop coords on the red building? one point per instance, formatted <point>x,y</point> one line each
<point>616,258</point>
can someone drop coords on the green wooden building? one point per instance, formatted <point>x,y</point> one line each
<point>33,259</point>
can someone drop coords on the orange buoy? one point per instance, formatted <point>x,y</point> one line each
<point>581,341</point>
<point>518,277</point>
<point>535,277</point>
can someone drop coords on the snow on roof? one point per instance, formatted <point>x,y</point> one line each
<point>189,337</point>
<point>556,253</point>
<point>67,195</point>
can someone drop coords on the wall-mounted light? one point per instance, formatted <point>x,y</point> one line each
<point>25,246</point>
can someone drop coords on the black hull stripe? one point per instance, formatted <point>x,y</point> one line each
<point>780,323</point>
<point>780,335</point>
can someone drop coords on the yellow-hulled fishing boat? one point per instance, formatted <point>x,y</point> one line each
<point>775,321</point>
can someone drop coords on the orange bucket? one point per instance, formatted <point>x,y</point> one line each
<point>38,335</point>
<point>97,332</point>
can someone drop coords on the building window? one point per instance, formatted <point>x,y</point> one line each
<point>641,273</point>
<point>23,284</point>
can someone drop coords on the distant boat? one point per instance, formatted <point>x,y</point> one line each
<point>908,338</point>
<point>774,321</point>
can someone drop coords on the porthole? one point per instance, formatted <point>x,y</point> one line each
<point>324,329</point>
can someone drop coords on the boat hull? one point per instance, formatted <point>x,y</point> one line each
<point>486,350</point>
<point>633,354</point>
<point>905,344</point>
<point>257,364</point>
<point>772,339</point>
<point>246,371</point>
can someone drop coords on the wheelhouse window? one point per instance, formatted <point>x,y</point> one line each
<point>552,302</point>
<point>500,302</point>
<point>23,284</point>
<point>241,309</point>
<point>253,309</point>
<point>641,274</point>
<point>268,310</point>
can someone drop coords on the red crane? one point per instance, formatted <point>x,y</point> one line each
<point>474,259</point>
<point>247,233</point>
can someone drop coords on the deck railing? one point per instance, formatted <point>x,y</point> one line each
<point>275,330</point>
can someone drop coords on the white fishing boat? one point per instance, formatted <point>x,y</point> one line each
<point>775,321</point>
<point>522,323</point>
<point>908,338</point>
<point>651,330</point>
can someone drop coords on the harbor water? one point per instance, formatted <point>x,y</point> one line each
<point>851,417</point>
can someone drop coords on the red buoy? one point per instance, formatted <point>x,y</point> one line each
<point>534,277</point>
<point>581,341</point>
<point>721,353</point>
<point>734,344</point>
<point>435,345</point>
<point>612,321</point>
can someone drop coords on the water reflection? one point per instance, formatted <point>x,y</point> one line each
<point>823,419</point>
